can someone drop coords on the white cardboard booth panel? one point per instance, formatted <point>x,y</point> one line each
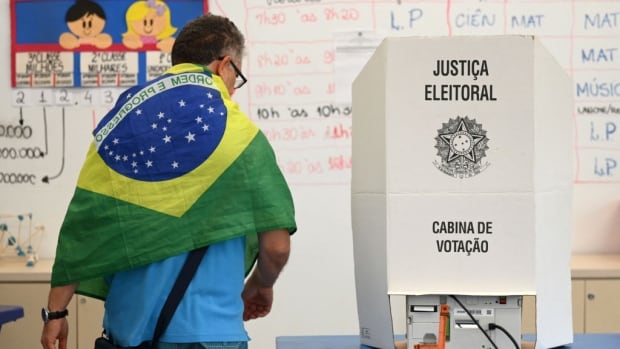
<point>462,177</point>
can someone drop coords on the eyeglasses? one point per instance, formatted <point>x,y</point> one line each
<point>240,79</point>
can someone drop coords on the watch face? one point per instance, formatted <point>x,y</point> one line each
<point>44,314</point>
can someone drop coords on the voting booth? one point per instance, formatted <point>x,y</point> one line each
<point>462,179</point>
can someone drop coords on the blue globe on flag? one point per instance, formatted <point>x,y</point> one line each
<point>166,136</point>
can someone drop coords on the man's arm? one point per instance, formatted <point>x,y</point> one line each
<point>58,329</point>
<point>274,250</point>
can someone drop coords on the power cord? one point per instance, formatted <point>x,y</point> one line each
<point>496,326</point>
<point>475,321</point>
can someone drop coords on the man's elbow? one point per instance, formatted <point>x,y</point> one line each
<point>275,247</point>
<point>277,254</point>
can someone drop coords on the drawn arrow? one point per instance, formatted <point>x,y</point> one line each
<point>47,179</point>
<point>43,154</point>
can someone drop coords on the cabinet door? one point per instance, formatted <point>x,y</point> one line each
<point>579,306</point>
<point>529,309</point>
<point>602,306</point>
<point>528,315</point>
<point>90,317</point>
<point>25,333</point>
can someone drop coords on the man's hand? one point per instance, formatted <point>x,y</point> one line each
<point>53,330</point>
<point>274,249</point>
<point>57,329</point>
<point>257,300</point>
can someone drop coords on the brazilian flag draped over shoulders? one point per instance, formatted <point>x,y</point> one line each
<point>174,166</point>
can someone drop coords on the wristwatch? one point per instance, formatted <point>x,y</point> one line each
<point>47,315</point>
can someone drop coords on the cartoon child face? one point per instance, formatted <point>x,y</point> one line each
<point>150,25</point>
<point>88,26</point>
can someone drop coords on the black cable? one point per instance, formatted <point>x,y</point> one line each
<point>475,321</point>
<point>496,326</point>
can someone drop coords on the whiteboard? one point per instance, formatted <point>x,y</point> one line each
<point>303,55</point>
<point>301,58</point>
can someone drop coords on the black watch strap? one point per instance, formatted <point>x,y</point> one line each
<point>47,315</point>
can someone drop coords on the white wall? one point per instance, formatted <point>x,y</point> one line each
<point>316,294</point>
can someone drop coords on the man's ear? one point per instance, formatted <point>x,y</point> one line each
<point>221,65</point>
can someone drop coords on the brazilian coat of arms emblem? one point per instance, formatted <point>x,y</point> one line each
<point>461,144</point>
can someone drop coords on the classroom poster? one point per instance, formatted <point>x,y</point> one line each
<point>94,43</point>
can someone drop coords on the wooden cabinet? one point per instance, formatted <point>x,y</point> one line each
<point>28,287</point>
<point>25,333</point>
<point>602,306</point>
<point>597,306</point>
<point>528,315</point>
<point>578,306</point>
<point>90,320</point>
<point>595,292</point>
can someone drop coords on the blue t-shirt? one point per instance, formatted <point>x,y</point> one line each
<point>210,311</point>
